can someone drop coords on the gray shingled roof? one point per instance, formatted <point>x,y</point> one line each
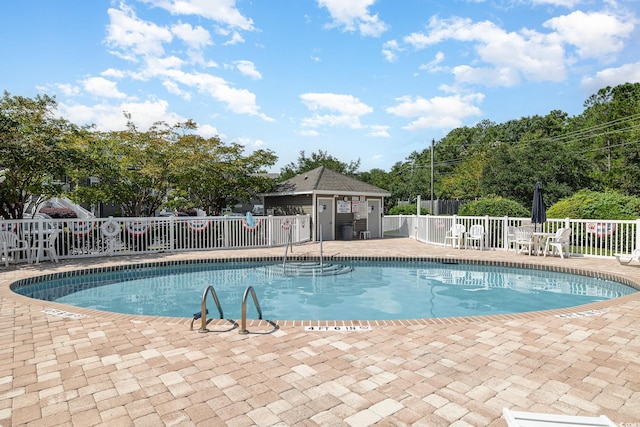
<point>323,180</point>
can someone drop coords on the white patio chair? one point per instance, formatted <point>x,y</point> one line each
<point>475,234</point>
<point>511,236</point>
<point>627,258</point>
<point>10,243</point>
<point>524,239</point>
<point>455,235</point>
<point>47,245</point>
<point>559,242</point>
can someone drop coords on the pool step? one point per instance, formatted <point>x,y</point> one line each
<point>302,269</point>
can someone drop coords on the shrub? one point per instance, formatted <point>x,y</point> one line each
<point>408,210</point>
<point>493,206</point>
<point>589,204</point>
<point>59,212</point>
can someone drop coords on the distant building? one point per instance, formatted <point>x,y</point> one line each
<point>338,204</point>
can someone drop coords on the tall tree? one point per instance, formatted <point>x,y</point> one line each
<point>34,152</point>
<point>134,168</point>
<point>608,135</point>
<point>212,175</point>
<point>321,158</point>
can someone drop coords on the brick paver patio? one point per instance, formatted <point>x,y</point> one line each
<point>121,370</point>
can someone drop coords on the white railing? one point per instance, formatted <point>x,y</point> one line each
<point>95,237</point>
<point>589,237</point>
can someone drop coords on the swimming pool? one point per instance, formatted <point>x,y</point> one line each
<point>380,290</point>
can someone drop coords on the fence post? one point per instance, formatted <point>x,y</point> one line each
<point>637,234</point>
<point>486,232</point>
<point>505,233</point>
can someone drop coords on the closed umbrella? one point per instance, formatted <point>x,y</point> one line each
<point>538,209</point>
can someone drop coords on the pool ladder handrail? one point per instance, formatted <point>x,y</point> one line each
<point>204,311</point>
<point>243,322</point>
<point>286,251</point>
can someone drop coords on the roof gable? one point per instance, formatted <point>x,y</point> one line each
<point>321,179</point>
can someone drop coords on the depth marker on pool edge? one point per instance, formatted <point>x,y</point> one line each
<point>337,328</point>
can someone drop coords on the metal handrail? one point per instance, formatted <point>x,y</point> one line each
<point>204,311</point>
<point>243,322</point>
<point>286,250</point>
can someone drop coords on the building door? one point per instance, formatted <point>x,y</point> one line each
<point>325,218</point>
<point>374,218</point>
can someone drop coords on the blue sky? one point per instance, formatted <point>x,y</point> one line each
<point>359,79</point>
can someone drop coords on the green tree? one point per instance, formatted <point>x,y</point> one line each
<point>608,135</point>
<point>34,152</point>
<point>321,158</point>
<point>212,175</point>
<point>540,154</point>
<point>134,169</point>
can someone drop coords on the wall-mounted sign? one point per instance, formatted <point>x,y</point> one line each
<point>355,206</point>
<point>343,207</point>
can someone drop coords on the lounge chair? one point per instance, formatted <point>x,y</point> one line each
<point>455,235</point>
<point>534,419</point>
<point>559,242</point>
<point>627,258</point>
<point>475,234</point>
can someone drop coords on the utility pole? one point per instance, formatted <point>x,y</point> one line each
<point>432,143</point>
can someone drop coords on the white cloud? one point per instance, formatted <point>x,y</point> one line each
<point>390,49</point>
<point>114,73</point>
<point>131,37</point>
<point>433,66</point>
<point>354,15</point>
<point>309,132</point>
<point>221,11</point>
<point>248,69</point>
<point>595,34</point>
<point>628,73</point>
<point>348,110</point>
<point>240,101</point>
<point>504,76</point>
<point>68,89</point>
<point>379,130</point>
<point>208,131</point>
<point>102,87</point>
<point>438,112</point>
<point>235,39</point>
<point>565,3</point>
<point>530,54</point>
<point>108,117</point>
<point>196,38</point>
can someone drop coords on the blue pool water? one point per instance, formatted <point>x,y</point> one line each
<point>370,291</point>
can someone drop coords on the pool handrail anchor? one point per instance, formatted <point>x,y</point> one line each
<point>203,309</point>
<point>243,322</point>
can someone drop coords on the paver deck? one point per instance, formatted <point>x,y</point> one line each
<point>121,370</point>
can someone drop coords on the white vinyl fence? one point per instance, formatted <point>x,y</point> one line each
<point>95,237</point>
<point>589,237</point>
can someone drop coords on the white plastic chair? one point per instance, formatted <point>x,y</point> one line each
<point>10,243</point>
<point>524,238</point>
<point>511,236</point>
<point>627,258</point>
<point>559,242</point>
<point>475,234</point>
<point>455,234</point>
<point>47,245</point>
